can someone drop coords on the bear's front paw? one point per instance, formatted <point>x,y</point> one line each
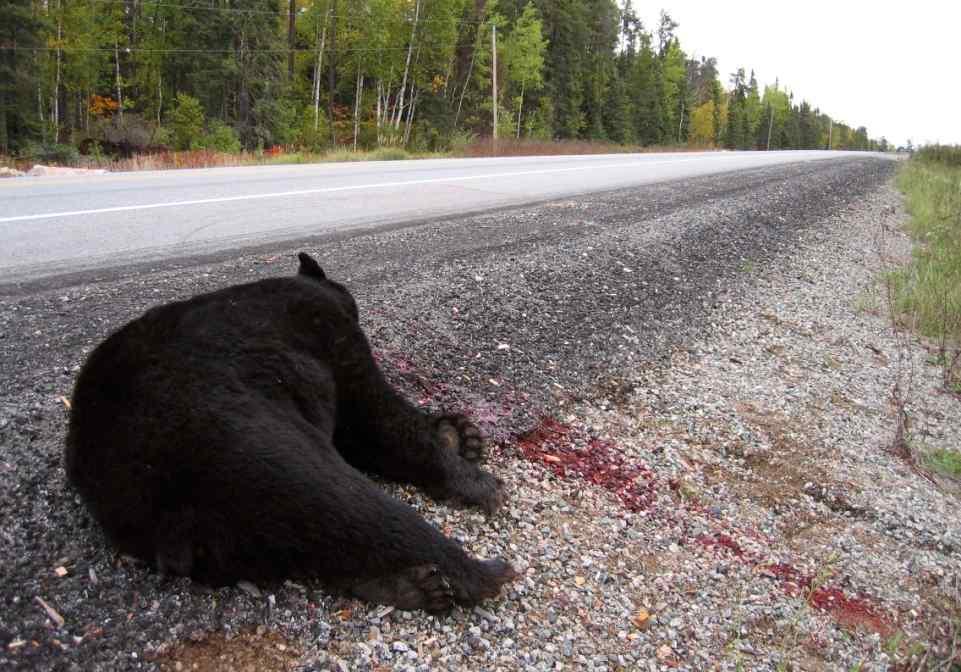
<point>472,486</point>
<point>458,433</point>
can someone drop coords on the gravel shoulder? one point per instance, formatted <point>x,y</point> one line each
<point>688,386</point>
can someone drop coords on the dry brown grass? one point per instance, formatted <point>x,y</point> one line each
<point>481,147</point>
<point>248,651</point>
<point>527,147</point>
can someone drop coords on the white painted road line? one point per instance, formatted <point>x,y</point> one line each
<point>353,187</point>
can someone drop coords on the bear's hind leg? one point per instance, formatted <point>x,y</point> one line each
<point>301,509</point>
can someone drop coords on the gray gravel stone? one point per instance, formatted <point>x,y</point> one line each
<point>716,334</point>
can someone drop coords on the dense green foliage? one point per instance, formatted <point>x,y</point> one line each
<point>126,76</point>
<point>946,155</point>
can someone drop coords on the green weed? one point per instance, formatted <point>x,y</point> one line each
<point>945,462</point>
<point>929,288</point>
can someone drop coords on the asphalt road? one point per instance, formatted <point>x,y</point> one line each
<point>515,316</point>
<point>55,225</point>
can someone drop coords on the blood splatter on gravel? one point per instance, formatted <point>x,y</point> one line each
<point>570,453</point>
<point>849,611</point>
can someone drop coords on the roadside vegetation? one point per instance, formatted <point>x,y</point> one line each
<point>924,299</point>
<point>928,291</point>
<point>91,83</point>
<point>202,157</point>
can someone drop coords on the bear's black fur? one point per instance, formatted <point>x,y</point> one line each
<point>222,438</point>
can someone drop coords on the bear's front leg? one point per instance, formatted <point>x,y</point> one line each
<point>458,447</point>
<point>379,431</point>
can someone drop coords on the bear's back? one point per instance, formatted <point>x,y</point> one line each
<point>183,375</point>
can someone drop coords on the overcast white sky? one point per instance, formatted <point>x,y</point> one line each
<point>890,65</point>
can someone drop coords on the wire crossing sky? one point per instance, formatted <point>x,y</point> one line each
<point>891,66</point>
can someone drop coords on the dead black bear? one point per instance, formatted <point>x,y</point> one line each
<point>223,438</point>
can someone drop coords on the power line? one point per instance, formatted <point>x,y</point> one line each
<point>240,10</point>
<point>284,50</point>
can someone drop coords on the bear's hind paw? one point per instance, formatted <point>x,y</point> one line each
<point>419,587</point>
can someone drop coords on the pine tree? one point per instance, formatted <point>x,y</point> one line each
<point>736,112</point>
<point>565,24</point>
<point>19,31</point>
<point>716,93</point>
<point>645,89</point>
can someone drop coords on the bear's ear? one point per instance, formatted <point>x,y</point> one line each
<point>309,267</point>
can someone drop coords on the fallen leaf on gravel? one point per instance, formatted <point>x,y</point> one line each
<point>51,612</point>
<point>641,619</point>
<point>66,402</point>
<point>383,611</point>
<point>249,588</point>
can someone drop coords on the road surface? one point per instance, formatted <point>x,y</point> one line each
<point>56,225</point>
<point>562,310</point>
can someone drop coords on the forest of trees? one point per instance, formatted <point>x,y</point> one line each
<point>125,76</point>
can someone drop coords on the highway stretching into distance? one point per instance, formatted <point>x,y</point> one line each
<point>55,225</point>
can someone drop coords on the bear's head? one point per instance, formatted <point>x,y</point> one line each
<point>311,269</point>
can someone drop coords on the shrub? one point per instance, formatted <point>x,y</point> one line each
<point>66,155</point>
<point>221,138</point>
<point>162,137</point>
<point>460,140</point>
<point>947,155</point>
<point>311,138</point>
<point>275,123</point>
<point>390,154</point>
<point>125,137</point>
<point>187,121</point>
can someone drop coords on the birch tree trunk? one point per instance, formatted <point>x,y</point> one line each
<point>520,111</point>
<point>116,55</point>
<point>318,70</point>
<point>410,115</point>
<point>56,89</point>
<point>377,115</point>
<point>399,107</point>
<point>470,69</point>
<point>357,96</point>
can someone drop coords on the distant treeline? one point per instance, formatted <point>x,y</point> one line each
<point>126,76</point>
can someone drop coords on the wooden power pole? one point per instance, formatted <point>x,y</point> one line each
<point>291,38</point>
<point>332,74</point>
<point>770,127</point>
<point>494,79</point>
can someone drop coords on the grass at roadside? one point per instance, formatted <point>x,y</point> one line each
<point>925,296</point>
<point>208,159</point>
<point>946,462</point>
<point>468,148</point>
<point>928,290</point>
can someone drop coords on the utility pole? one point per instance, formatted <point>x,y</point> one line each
<point>770,127</point>
<point>830,130</point>
<point>332,73</point>
<point>291,38</point>
<point>494,94</point>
